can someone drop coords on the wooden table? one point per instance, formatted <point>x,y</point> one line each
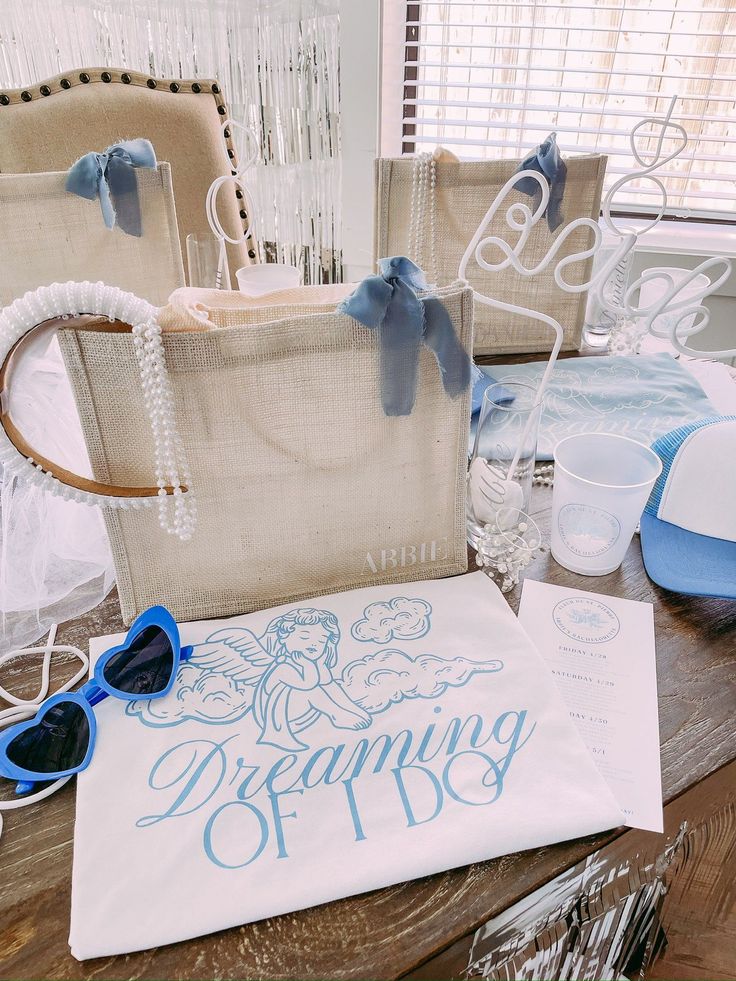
<point>422,928</point>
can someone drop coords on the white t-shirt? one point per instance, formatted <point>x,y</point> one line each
<point>319,750</point>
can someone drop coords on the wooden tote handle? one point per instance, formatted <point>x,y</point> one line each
<point>64,476</point>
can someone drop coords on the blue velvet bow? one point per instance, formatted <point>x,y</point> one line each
<point>111,177</point>
<point>546,160</point>
<point>389,304</point>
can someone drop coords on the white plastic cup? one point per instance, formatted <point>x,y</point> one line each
<point>267,277</point>
<point>601,486</point>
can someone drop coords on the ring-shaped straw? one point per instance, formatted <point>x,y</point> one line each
<point>237,179</point>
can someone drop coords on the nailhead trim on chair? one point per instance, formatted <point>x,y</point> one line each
<point>62,83</point>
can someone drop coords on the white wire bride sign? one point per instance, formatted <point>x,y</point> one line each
<point>500,489</point>
<point>679,306</point>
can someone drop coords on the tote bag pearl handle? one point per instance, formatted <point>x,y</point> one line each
<point>78,306</point>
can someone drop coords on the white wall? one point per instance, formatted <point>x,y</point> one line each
<point>360,73</point>
<point>371,106</point>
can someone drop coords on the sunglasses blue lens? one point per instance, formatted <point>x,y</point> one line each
<point>57,742</point>
<point>145,666</point>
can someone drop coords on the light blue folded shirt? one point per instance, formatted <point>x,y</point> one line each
<point>481,381</point>
<point>642,396</point>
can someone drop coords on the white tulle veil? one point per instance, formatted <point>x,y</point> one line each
<point>55,560</point>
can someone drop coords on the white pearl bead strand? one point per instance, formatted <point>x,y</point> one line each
<point>423,213</point>
<point>64,300</point>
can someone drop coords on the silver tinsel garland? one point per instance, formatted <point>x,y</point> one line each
<point>277,61</point>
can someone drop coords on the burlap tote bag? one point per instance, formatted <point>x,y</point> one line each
<point>303,484</point>
<point>464,192</point>
<point>58,236</point>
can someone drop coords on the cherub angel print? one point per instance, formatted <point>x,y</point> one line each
<point>283,677</point>
<point>299,685</point>
<point>286,678</point>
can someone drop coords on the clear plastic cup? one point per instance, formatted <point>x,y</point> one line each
<point>203,259</point>
<point>266,277</point>
<point>601,486</point>
<point>507,431</point>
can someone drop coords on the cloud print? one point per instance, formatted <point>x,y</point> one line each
<point>387,677</point>
<point>203,697</point>
<point>398,619</point>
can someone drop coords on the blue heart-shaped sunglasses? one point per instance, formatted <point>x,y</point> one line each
<point>59,740</point>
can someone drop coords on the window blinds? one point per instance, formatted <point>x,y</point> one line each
<point>490,79</point>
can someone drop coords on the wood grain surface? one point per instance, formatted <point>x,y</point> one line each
<point>393,931</point>
<point>702,891</point>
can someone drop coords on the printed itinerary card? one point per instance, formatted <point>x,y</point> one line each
<point>319,750</point>
<point>601,653</point>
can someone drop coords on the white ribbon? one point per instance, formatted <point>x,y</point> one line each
<point>24,708</point>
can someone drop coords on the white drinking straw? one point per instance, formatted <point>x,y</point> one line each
<point>25,708</point>
<point>252,148</point>
<point>519,218</point>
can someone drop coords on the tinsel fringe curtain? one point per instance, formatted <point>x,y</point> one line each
<point>278,62</point>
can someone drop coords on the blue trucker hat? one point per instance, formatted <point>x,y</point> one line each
<point>688,529</point>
